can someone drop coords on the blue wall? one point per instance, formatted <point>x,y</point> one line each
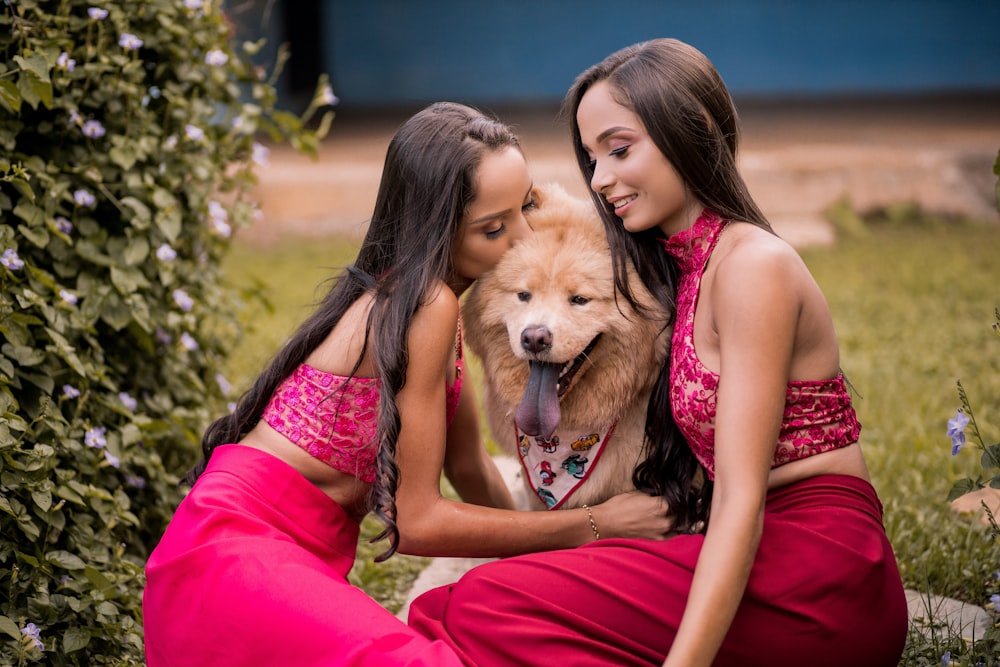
<point>382,52</point>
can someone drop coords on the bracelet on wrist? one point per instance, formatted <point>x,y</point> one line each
<point>593,524</point>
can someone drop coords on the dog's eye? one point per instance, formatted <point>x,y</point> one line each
<point>579,300</point>
<point>524,296</point>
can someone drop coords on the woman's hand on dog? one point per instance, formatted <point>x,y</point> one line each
<point>633,514</point>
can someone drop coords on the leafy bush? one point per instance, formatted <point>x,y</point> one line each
<point>126,153</point>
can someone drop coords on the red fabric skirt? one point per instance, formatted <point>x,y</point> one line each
<point>824,590</point>
<point>252,571</point>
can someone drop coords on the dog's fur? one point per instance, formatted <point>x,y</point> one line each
<point>560,281</point>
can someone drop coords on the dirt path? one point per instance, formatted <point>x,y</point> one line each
<point>796,158</point>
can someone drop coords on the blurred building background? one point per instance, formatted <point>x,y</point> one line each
<point>403,53</point>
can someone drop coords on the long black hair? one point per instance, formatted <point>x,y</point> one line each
<point>428,183</point>
<point>678,95</point>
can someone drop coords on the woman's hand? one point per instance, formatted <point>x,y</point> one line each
<point>633,514</point>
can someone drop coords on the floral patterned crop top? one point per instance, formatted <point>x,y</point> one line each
<point>334,418</point>
<point>818,414</point>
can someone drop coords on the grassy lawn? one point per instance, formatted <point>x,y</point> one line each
<point>913,300</point>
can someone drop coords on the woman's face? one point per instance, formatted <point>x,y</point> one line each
<point>629,171</point>
<point>495,220</point>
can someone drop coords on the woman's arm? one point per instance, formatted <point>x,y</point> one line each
<point>754,304</point>
<point>467,464</point>
<point>430,524</point>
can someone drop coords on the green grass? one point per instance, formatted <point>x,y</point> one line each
<point>913,300</point>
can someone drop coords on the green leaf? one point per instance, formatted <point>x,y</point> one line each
<point>960,488</point>
<point>139,209</point>
<point>32,215</point>
<point>43,499</point>
<point>66,493</point>
<point>137,251</point>
<point>65,560</point>
<point>123,156</point>
<point>23,187</point>
<point>34,63</point>
<point>98,580</point>
<point>24,355</point>
<point>75,639</point>
<point>128,279</point>
<point>991,456</point>
<point>9,96</point>
<point>10,627</point>
<point>41,380</point>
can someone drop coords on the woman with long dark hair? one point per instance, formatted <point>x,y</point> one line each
<point>751,434</point>
<point>360,411</point>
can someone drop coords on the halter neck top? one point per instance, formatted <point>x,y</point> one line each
<point>335,418</point>
<point>818,415</point>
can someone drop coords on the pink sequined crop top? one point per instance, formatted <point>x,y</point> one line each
<point>334,418</point>
<point>818,414</point>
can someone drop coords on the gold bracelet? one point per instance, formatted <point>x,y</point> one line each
<point>593,524</point>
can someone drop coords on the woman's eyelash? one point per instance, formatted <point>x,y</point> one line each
<point>618,152</point>
<point>496,232</point>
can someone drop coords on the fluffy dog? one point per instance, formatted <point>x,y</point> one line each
<point>568,366</point>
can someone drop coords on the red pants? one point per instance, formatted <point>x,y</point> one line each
<point>824,590</point>
<point>252,572</point>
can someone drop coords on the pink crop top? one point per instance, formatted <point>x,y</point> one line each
<point>818,414</point>
<point>335,418</point>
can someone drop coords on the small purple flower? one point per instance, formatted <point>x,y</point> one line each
<point>221,227</point>
<point>31,630</point>
<point>95,437</point>
<point>956,431</point>
<point>129,42</point>
<point>135,481</point>
<point>63,225</point>
<point>995,601</point>
<point>127,400</point>
<point>223,383</point>
<point>84,198</point>
<point>65,62</point>
<point>165,253</point>
<point>93,129</point>
<point>194,133</point>
<point>163,336</point>
<point>193,4</point>
<point>11,260</point>
<point>326,96</point>
<point>97,13</point>
<point>188,342</point>
<point>170,143</point>
<point>68,297</point>
<point>183,300</point>
<point>261,155</point>
<point>216,58</point>
<point>113,460</point>
<point>69,391</point>
<point>217,210</point>
<point>218,217</point>
<point>231,406</point>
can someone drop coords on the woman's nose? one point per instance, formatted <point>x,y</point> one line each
<point>600,179</point>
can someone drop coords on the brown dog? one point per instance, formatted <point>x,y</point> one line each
<point>568,367</point>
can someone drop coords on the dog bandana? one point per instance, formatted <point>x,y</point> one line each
<point>556,467</point>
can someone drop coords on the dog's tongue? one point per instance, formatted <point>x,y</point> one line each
<point>538,413</point>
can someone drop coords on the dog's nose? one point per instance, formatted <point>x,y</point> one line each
<point>536,339</point>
